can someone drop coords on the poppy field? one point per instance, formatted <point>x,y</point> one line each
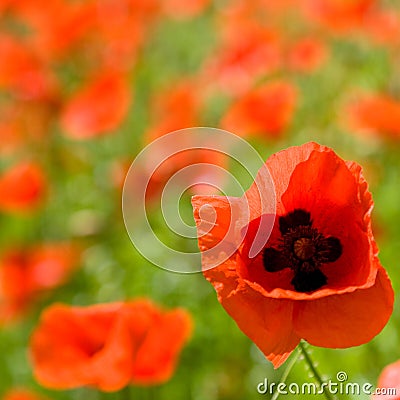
<point>199,199</point>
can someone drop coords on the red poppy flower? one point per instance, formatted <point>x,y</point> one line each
<point>22,188</point>
<point>98,108</point>
<point>122,27</point>
<point>108,346</point>
<point>307,55</point>
<point>383,26</point>
<point>339,16</point>
<point>22,394</point>
<point>389,378</point>
<point>317,273</point>
<point>266,111</point>
<point>167,110</point>
<point>376,113</point>
<point>245,54</point>
<point>22,73</point>
<point>56,26</point>
<point>26,273</point>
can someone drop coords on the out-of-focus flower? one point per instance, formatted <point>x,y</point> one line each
<point>383,26</point>
<point>244,55</point>
<point>98,108</point>
<point>22,73</point>
<point>22,188</point>
<point>375,113</point>
<point>108,346</point>
<point>389,378</point>
<point>266,111</point>
<point>307,55</point>
<point>26,273</point>
<point>22,394</point>
<point>318,271</point>
<point>339,16</point>
<point>122,28</point>
<point>173,109</point>
<point>56,26</point>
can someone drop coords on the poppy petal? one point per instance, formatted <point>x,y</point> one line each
<point>117,353</point>
<point>219,220</point>
<point>273,179</point>
<point>155,360</point>
<point>267,322</point>
<point>342,320</point>
<point>67,339</point>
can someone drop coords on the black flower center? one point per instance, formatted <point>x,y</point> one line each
<point>303,249</point>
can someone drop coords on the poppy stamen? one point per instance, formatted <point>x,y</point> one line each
<point>302,249</point>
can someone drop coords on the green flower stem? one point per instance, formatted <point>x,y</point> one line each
<point>313,369</point>
<point>302,350</point>
<point>286,372</point>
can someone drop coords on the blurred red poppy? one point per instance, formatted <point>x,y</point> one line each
<point>307,55</point>
<point>245,54</point>
<point>317,273</point>
<point>108,346</point>
<point>97,108</point>
<point>25,273</point>
<point>22,73</point>
<point>389,378</point>
<point>122,27</point>
<point>375,113</point>
<point>383,26</point>
<point>22,188</point>
<point>266,111</point>
<point>339,16</point>
<point>22,394</point>
<point>56,26</point>
<point>169,113</point>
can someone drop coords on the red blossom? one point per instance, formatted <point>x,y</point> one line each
<point>108,346</point>
<point>307,55</point>
<point>318,271</point>
<point>375,113</point>
<point>98,108</point>
<point>266,111</point>
<point>27,273</point>
<point>22,188</point>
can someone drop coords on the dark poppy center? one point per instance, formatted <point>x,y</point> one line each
<point>302,249</point>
